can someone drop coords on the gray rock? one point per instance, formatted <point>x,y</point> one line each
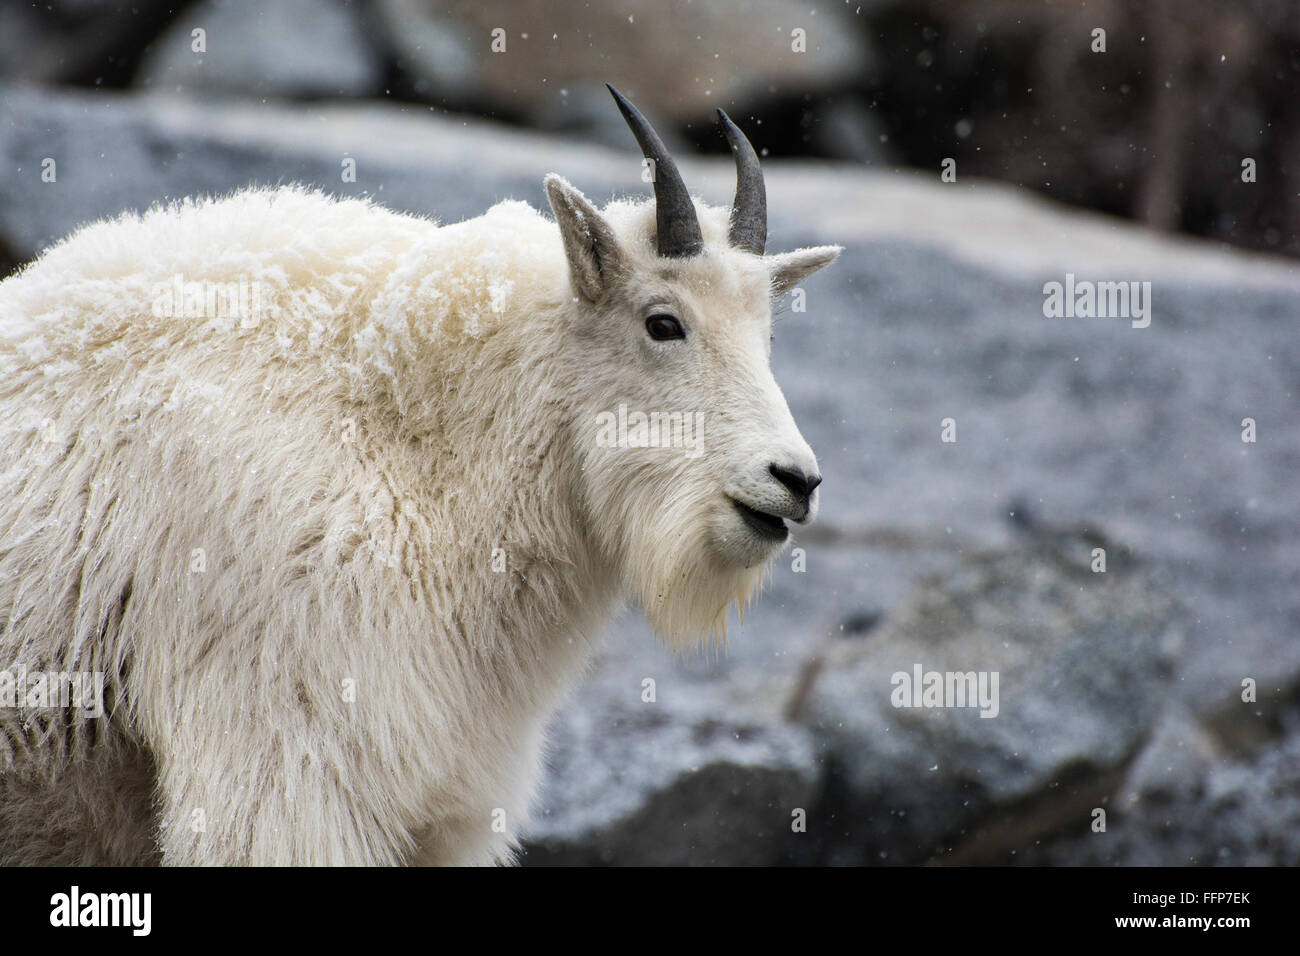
<point>641,783</point>
<point>849,129</point>
<point>676,58</point>
<point>1239,811</point>
<point>1081,660</point>
<point>1175,762</point>
<point>289,48</point>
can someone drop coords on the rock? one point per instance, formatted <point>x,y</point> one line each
<point>1080,659</point>
<point>633,783</point>
<point>290,48</point>
<point>676,59</point>
<point>848,129</point>
<point>1176,760</point>
<point>1242,810</point>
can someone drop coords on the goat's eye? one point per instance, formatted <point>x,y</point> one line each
<point>662,326</point>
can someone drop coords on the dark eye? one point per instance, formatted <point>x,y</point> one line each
<point>662,326</point>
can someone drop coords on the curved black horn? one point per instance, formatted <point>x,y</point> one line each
<point>749,209</point>
<point>678,227</point>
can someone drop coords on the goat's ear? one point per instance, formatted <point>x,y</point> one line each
<point>788,269</point>
<point>589,244</point>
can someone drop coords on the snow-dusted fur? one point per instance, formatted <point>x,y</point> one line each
<point>340,564</point>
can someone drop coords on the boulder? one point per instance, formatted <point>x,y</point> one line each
<point>1193,803</point>
<point>291,48</point>
<point>1067,669</point>
<point>631,782</point>
<point>676,59</point>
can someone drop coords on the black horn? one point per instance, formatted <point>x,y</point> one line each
<point>678,227</point>
<point>749,209</point>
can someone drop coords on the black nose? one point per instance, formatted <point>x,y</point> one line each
<point>800,485</point>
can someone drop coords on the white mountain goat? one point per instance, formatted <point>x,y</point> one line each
<point>332,501</point>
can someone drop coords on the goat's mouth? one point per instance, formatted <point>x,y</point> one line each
<point>767,526</point>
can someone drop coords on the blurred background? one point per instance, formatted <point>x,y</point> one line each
<point>1149,712</point>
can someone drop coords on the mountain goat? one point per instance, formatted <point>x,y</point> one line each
<point>327,500</point>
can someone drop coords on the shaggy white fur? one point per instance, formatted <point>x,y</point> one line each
<point>340,556</point>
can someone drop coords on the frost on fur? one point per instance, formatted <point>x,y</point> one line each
<point>330,498</point>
